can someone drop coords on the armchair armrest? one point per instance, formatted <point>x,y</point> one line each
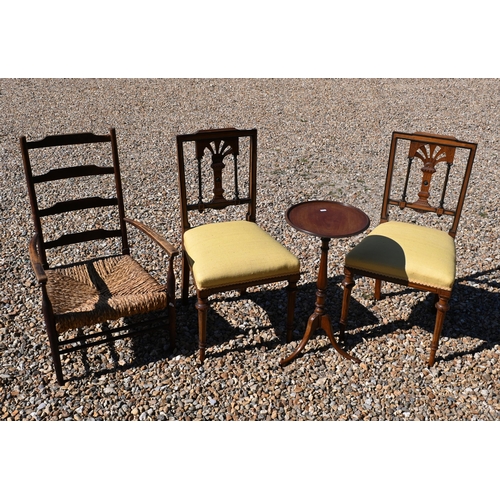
<point>168,248</point>
<point>36,262</point>
<point>158,238</point>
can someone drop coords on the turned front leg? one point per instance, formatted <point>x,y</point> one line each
<point>442,307</point>
<point>203,307</point>
<point>348,283</point>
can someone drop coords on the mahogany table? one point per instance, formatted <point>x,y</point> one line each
<point>325,220</point>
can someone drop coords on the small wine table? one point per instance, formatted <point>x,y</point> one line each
<point>325,220</point>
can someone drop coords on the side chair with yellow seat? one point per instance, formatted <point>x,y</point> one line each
<point>218,172</point>
<point>407,253</point>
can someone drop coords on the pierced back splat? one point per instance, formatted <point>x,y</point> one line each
<point>431,155</point>
<point>219,149</point>
<point>431,150</point>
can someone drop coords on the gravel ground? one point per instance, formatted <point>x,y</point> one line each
<point>318,139</point>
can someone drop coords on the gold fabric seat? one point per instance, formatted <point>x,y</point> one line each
<point>407,252</point>
<point>248,254</point>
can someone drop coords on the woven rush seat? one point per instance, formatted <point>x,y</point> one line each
<point>250,254</point>
<point>102,290</point>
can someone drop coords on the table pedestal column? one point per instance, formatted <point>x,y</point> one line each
<point>319,318</point>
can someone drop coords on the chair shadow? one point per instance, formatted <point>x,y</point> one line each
<point>474,312</point>
<point>469,305</point>
<point>219,329</point>
<point>147,346</point>
<point>273,302</point>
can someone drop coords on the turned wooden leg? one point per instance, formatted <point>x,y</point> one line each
<point>203,307</point>
<point>292,294</point>
<point>171,303</point>
<point>50,326</point>
<point>185,278</point>
<point>56,355</point>
<point>348,283</point>
<point>378,289</point>
<point>442,306</point>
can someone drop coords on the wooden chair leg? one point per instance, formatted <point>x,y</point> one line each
<point>171,304</point>
<point>56,355</point>
<point>171,325</point>
<point>348,284</point>
<point>203,307</point>
<point>378,289</point>
<point>442,306</point>
<point>292,294</point>
<point>53,336</point>
<point>185,278</point>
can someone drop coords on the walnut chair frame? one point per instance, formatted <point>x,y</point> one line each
<point>221,146</point>
<point>381,256</point>
<point>139,292</point>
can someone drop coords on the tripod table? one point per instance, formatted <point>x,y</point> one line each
<point>325,220</point>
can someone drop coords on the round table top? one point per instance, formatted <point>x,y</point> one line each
<point>327,219</point>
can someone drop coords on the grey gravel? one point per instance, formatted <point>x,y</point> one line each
<point>318,139</point>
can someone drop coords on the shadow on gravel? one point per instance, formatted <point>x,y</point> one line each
<point>274,304</point>
<point>220,330</point>
<point>474,312</point>
<point>153,347</point>
<point>143,348</point>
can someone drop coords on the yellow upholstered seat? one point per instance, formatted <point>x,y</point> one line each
<point>407,252</point>
<point>235,252</point>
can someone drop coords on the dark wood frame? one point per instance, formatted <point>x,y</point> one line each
<point>38,245</point>
<point>230,138</point>
<point>447,145</point>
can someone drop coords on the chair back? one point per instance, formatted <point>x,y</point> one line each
<point>436,168</point>
<point>58,187</point>
<point>217,170</point>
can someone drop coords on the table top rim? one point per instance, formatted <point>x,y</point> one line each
<point>331,202</point>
